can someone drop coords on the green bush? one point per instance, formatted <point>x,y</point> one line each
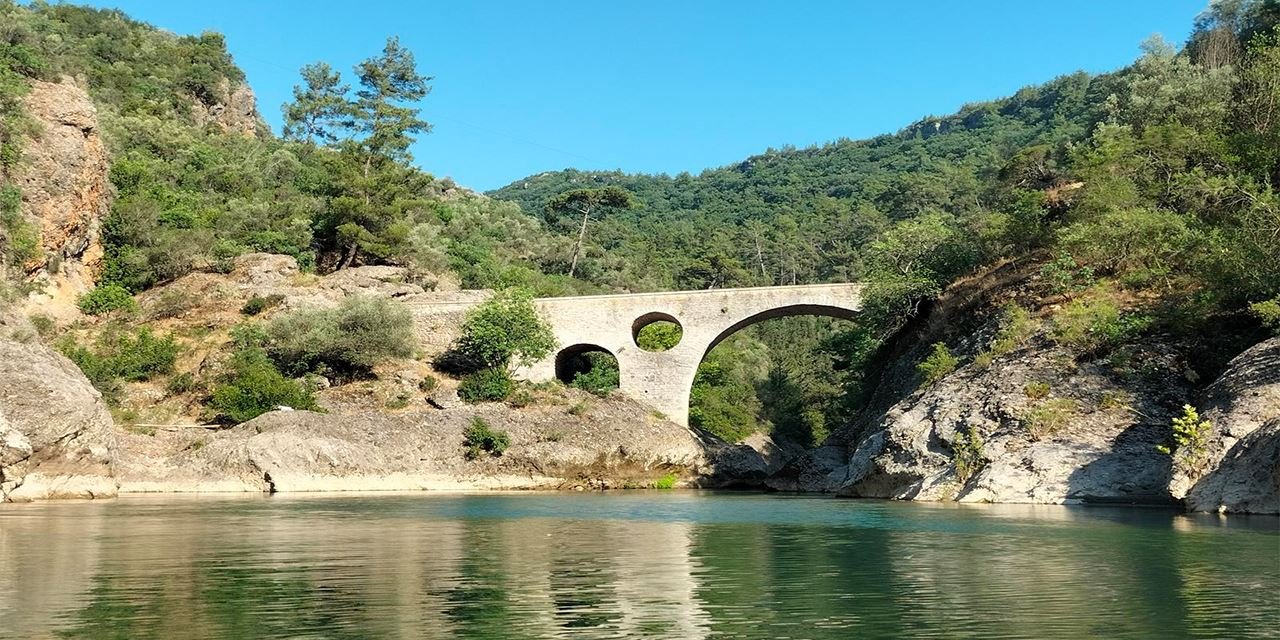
<point>1190,448</point>
<point>1268,311</point>
<point>348,340</point>
<point>184,382</point>
<point>252,386</point>
<point>19,239</point>
<point>105,299</point>
<point>486,385</point>
<point>1016,325</point>
<point>1097,325</point>
<point>667,481</point>
<point>1036,390</point>
<point>938,364</point>
<point>1050,417</point>
<point>257,304</point>
<point>480,438</point>
<point>119,357</point>
<point>428,384</point>
<point>1065,276</point>
<point>505,329</point>
<point>967,453</point>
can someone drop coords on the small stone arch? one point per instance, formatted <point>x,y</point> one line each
<point>570,361</point>
<point>651,318</point>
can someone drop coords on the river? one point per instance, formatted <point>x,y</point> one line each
<point>644,564</point>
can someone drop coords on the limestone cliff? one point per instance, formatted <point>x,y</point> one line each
<point>234,110</point>
<point>66,191</point>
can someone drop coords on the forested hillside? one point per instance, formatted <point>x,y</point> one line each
<point>1154,182</point>
<point>1147,194</point>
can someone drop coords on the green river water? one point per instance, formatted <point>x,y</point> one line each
<point>628,565</point>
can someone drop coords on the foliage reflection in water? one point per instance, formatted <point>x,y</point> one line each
<point>636,564</point>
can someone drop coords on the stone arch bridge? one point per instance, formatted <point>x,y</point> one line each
<point>663,379</point>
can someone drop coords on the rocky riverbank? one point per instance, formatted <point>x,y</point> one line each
<point>1038,423</point>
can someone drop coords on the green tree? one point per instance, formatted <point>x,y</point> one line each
<point>506,330</point>
<point>319,106</point>
<point>588,203</point>
<point>371,186</point>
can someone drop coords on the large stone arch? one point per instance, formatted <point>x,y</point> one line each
<point>664,379</point>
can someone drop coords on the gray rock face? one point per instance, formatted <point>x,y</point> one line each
<point>614,443</point>
<point>1247,480</point>
<point>1244,455</point>
<point>1103,449</point>
<point>56,437</point>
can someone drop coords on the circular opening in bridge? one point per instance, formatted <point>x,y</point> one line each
<point>589,367</point>
<point>656,331</point>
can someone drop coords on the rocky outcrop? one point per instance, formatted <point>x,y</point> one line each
<point>614,443</point>
<point>1243,405</point>
<point>56,435</point>
<point>1102,449</point>
<point>234,109</point>
<point>65,191</point>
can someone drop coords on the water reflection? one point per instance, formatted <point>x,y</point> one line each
<point>656,565</point>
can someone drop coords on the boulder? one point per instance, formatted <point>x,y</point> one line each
<point>1242,473</point>
<point>1247,479</point>
<point>56,435</point>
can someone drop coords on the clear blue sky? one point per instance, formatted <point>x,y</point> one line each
<point>669,86</point>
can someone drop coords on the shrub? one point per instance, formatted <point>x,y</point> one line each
<point>521,397</point>
<point>44,325</point>
<point>1036,390</point>
<point>938,364</point>
<point>253,386</point>
<point>105,299</point>
<point>1268,311</point>
<point>169,304</point>
<point>1065,276</point>
<point>1097,325</point>
<point>480,438</point>
<point>504,330</point>
<point>1190,447</point>
<point>601,378</point>
<point>579,409</point>
<point>967,452</point>
<point>667,481</point>
<point>142,356</point>
<point>184,382</point>
<point>1050,417</point>
<point>486,385</point>
<point>257,304</point>
<point>120,356</point>
<point>428,384</point>
<point>1016,326</point>
<point>348,340</point>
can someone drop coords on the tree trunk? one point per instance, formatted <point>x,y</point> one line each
<point>349,258</point>
<point>577,248</point>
